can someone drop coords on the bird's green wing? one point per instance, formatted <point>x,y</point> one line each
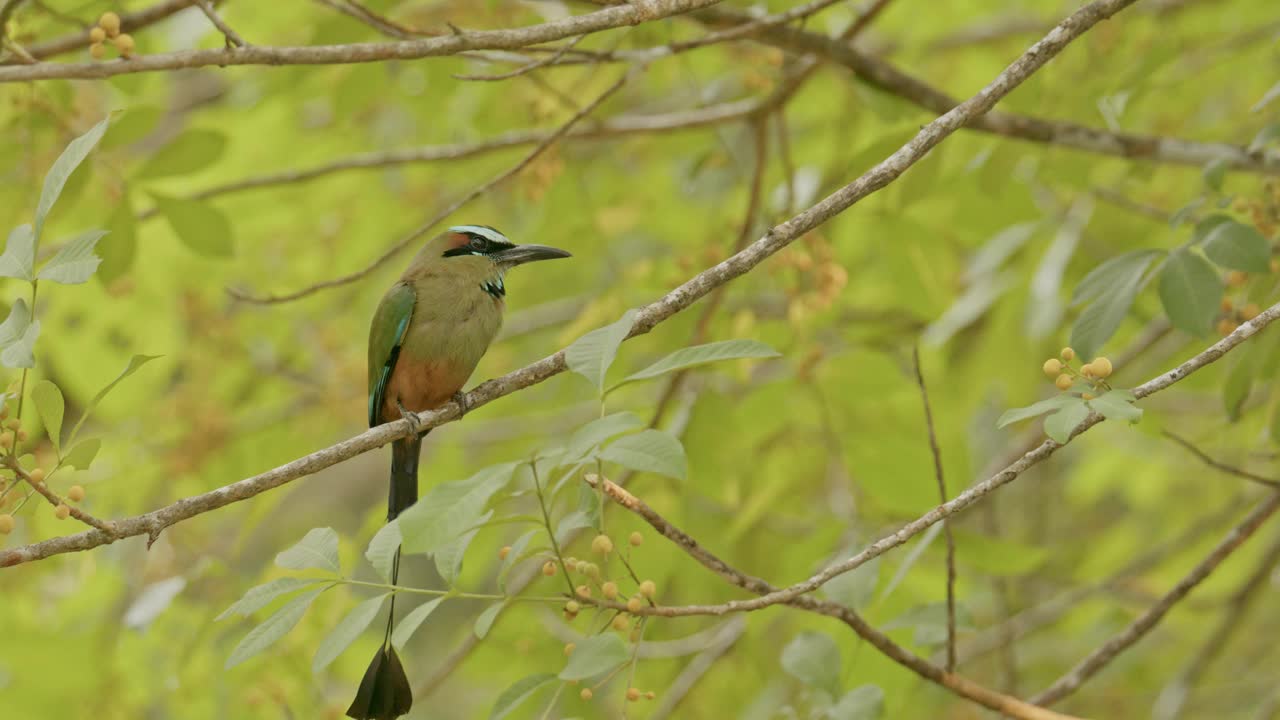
<point>390,324</point>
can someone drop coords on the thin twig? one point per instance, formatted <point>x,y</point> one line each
<point>523,69</point>
<point>233,38</point>
<point>942,498</point>
<point>1216,465</point>
<point>453,207</point>
<point>1135,631</point>
<point>378,22</point>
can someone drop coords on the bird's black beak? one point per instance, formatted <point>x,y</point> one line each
<point>521,254</point>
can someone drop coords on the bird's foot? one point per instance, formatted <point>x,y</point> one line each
<point>414,423</point>
<point>460,397</point>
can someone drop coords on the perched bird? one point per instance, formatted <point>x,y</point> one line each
<point>428,334</point>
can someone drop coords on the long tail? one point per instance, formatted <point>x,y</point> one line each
<point>385,693</point>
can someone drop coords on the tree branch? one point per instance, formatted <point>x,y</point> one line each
<point>233,38</point>
<point>1229,469</point>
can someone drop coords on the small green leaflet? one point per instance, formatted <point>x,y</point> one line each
<point>190,152</point>
<point>409,625</point>
<point>318,549</point>
<point>260,596</point>
<point>273,628</point>
<point>595,656</point>
<point>1112,287</point>
<point>520,691</point>
<point>49,403</point>
<point>700,355</point>
<point>18,337</point>
<point>648,451</point>
<point>74,154</point>
<point>591,355</point>
<point>485,621</point>
<point>1117,405</point>
<point>1190,290</point>
<point>449,558</point>
<point>1235,245</point>
<point>1054,403</point>
<point>346,632</point>
<point>82,454</point>
<point>135,362</point>
<point>451,509</point>
<point>814,659</point>
<point>75,262</point>
<point>199,225</point>
<point>585,438</point>
<point>381,552</point>
<point>1214,172</point>
<point>1060,424</point>
<point>19,258</point>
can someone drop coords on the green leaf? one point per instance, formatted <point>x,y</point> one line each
<point>1191,291</point>
<point>82,454</point>
<point>1269,133</point>
<point>317,549</point>
<point>19,258</point>
<point>450,509</point>
<point>381,552</point>
<point>75,262</point>
<point>1214,172</point>
<point>49,403</point>
<point>700,355</point>
<point>346,632</point>
<point>595,656</point>
<point>1014,415</point>
<point>1117,405</point>
<point>411,622</point>
<point>648,451</point>
<point>587,437</point>
<point>1060,424</point>
<point>1234,245</point>
<point>814,659</point>
<point>273,628</point>
<point>1113,291</point>
<point>1206,225</point>
<point>135,362</point>
<point>200,226</point>
<point>18,337</point>
<point>260,596</point>
<point>74,154</point>
<point>449,557</point>
<point>192,151</point>
<point>120,245</point>
<point>865,702</point>
<point>854,588</point>
<point>591,355</point>
<point>520,691</point>
<point>485,621</point>
<point>930,622</point>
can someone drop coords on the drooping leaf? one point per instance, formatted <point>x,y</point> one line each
<point>273,628</point>
<point>449,556</point>
<point>854,588</point>
<point>135,362</point>
<point>346,632</point>
<point>318,549</point>
<point>1118,270</point>
<point>591,355</point>
<point>49,403</point>
<point>700,355</point>
<point>1190,290</point>
<point>75,262</point>
<point>648,451</point>
<point>199,225</point>
<point>411,622</point>
<point>1113,292</point>
<point>1235,245</point>
<point>485,621</point>
<point>81,455</point>
<point>1117,405</point>
<point>260,596</point>
<point>865,702</point>
<point>595,656</point>
<point>381,552</point>
<point>450,509</point>
<point>190,152</point>
<point>1060,424</point>
<point>74,154</point>
<point>1014,415</point>
<point>19,258</point>
<point>518,693</point>
<point>1044,306</point>
<point>585,438</point>
<point>814,659</point>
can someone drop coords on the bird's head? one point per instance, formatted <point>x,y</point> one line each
<point>482,241</point>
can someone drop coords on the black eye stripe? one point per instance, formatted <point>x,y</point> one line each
<point>478,245</point>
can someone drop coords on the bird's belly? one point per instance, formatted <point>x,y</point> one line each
<point>435,362</point>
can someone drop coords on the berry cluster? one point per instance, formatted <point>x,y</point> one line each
<point>1094,374</point>
<point>108,31</point>
<point>11,438</point>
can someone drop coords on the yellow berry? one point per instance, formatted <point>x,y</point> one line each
<point>124,43</point>
<point>504,552</point>
<point>76,493</point>
<point>22,435</point>
<point>1249,312</point>
<point>649,695</point>
<point>110,22</point>
<point>602,545</point>
<point>1067,354</point>
<point>1088,396</point>
<point>6,440</point>
<point>548,568</point>
<point>585,694</point>
<point>634,605</point>
<point>1225,327</point>
<point>635,539</point>
<point>633,694</point>
<point>62,511</point>
<point>6,524</point>
<point>568,649</point>
<point>609,590</point>
<point>37,474</point>
<point>1063,382</point>
<point>1236,278</point>
<point>97,51</point>
<point>1052,367</point>
<point>620,622</point>
<point>1226,305</point>
<point>583,591</point>
<point>1101,367</point>
<point>4,412</point>
<point>13,424</point>
<point>572,607</point>
<point>571,564</point>
<point>1087,370</point>
<point>591,570</point>
<point>635,635</point>
<point>648,589</point>
<point>97,35</point>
